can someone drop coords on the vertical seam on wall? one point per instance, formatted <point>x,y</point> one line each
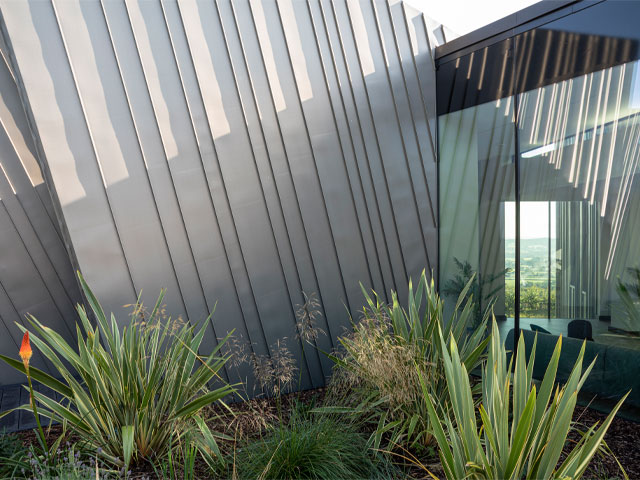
<point>224,189</point>
<point>166,158</point>
<point>173,188</point>
<point>375,131</point>
<point>270,163</point>
<point>170,173</point>
<point>410,105</point>
<point>142,156</point>
<point>93,147</point>
<point>260,181</point>
<point>400,130</point>
<point>432,141</point>
<point>313,155</point>
<point>437,151</point>
<point>210,196</point>
<point>204,296</point>
<point>417,71</point>
<point>33,262</point>
<point>344,158</point>
<point>290,174</point>
<point>364,144</point>
<point>426,35</point>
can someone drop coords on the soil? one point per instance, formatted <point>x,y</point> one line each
<point>622,438</point>
<point>251,419</point>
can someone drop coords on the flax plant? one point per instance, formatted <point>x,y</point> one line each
<point>125,392</point>
<point>522,428</point>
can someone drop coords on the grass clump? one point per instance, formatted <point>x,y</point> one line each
<point>310,446</point>
<point>377,375</point>
<point>11,449</point>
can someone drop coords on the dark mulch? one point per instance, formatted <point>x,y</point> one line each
<point>251,418</point>
<point>30,437</point>
<point>623,438</point>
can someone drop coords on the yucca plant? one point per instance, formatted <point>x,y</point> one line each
<point>522,428</point>
<point>125,392</point>
<point>380,355</point>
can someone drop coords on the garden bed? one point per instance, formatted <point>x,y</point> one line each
<point>399,383</point>
<point>252,418</point>
<point>623,438</point>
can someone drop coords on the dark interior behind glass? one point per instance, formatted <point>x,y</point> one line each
<point>552,113</point>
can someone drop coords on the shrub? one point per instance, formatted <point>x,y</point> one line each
<point>125,394</point>
<point>522,429</point>
<point>534,300</point>
<point>310,446</point>
<point>377,371</point>
<point>482,287</point>
<point>11,449</point>
<point>66,463</point>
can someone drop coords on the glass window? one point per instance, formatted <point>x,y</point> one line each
<point>578,142</point>
<point>566,141</point>
<point>477,191</point>
<point>537,260</point>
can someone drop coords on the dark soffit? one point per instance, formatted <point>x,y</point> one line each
<point>518,22</point>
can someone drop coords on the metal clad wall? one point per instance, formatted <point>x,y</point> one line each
<point>236,152</point>
<point>36,275</point>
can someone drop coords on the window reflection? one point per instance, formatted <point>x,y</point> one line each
<point>573,85</point>
<point>579,155</point>
<point>477,183</point>
<point>584,157</point>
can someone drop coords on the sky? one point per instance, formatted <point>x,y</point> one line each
<point>464,16</point>
<point>534,220</point>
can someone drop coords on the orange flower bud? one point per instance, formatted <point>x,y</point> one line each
<point>25,350</point>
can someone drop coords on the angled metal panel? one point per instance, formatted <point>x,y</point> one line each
<point>154,156</point>
<point>269,100</point>
<point>370,240</point>
<point>117,153</point>
<point>49,87</point>
<point>234,151</point>
<point>36,276</point>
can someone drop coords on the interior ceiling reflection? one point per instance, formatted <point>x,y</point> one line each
<point>587,128</point>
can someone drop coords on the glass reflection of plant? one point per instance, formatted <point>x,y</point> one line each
<point>478,290</point>
<point>629,293</point>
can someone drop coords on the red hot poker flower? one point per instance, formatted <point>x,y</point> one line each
<point>25,350</point>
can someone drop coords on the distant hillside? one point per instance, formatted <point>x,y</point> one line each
<point>534,256</point>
